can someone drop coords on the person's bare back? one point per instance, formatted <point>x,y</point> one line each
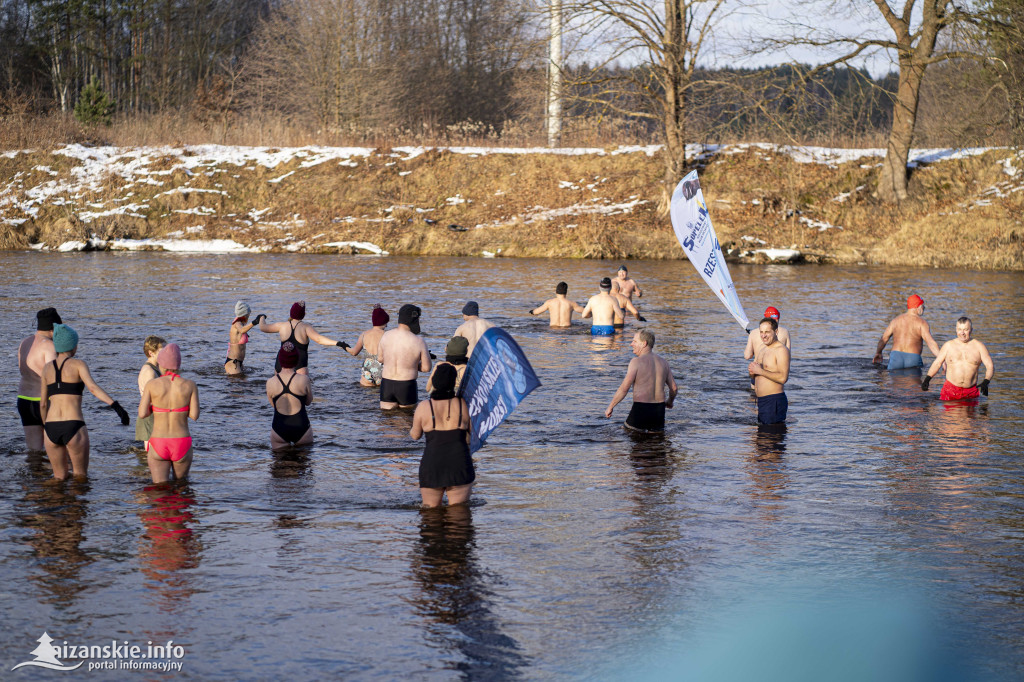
<point>909,332</point>
<point>603,308</point>
<point>34,353</point>
<point>560,309</point>
<point>472,329</point>
<point>403,355</point>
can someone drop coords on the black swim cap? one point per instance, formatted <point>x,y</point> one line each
<point>606,283</point>
<point>409,315</point>
<point>444,382</point>
<point>46,318</point>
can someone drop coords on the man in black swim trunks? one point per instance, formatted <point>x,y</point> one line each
<point>403,356</point>
<point>33,353</point>
<point>647,375</point>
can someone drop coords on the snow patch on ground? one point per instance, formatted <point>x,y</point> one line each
<point>362,246</point>
<point>820,224</point>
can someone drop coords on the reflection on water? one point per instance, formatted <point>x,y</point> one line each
<point>455,595</point>
<point>55,512</point>
<point>586,544</point>
<point>168,547</point>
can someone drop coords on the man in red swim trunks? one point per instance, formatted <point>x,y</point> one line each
<point>962,355</point>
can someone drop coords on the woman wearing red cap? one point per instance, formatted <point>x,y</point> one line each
<point>298,333</point>
<point>366,347</point>
<point>173,401</point>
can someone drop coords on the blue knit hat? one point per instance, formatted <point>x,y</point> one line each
<point>64,338</point>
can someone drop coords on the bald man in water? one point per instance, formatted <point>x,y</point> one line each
<point>560,307</point>
<point>909,332</point>
<point>34,353</point>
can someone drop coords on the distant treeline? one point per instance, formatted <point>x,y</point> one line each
<point>353,66</point>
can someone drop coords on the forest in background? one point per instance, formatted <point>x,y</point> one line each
<point>444,70</point>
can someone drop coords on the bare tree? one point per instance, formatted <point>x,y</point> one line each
<point>667,38</point>
<point>916,28</point>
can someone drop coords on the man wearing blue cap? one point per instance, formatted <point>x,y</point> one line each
<point>473,327</point>
<point>34,353</point>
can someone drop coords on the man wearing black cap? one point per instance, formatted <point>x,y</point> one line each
<point>33,354</point>
<point>604,309</point>
<point>625,285</point>
<point>403,355</point>
<point>474,326</point>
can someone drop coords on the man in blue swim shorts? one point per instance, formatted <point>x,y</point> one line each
<point>770,370</point>
<point>603,308</point>
<point>909,332</point>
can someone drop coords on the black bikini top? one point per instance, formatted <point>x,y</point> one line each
<point>64,388</point>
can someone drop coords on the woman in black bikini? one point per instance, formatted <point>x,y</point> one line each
<point>299,334</point>
<point>289,392</point>
<point>446,466</point>
<point>66,437</point>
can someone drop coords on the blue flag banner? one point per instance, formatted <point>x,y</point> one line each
<point>497,379</point>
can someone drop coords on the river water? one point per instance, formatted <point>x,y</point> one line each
<point>879,537</point>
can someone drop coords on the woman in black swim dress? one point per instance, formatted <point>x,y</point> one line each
<point>446,466</point>
<point>289,392</point>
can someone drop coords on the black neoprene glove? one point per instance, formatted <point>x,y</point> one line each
<point>121,412</point>
<point>927,380</point>
<point>983,387</point>
<point>256,320</point>
<point>342,345</point>
<point>432,356</point>
<point>641,318</point>
<point>531,310</point>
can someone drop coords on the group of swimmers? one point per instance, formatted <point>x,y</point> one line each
<point>53,380</point>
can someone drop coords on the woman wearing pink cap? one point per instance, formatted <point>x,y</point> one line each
<point>366,347</point>
<point>172,400</point>
<point>299,334</point>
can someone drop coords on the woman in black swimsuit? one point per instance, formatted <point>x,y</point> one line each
<point>289,392</point>
<point>298,333</point>
<point>66,438</point>
<point>446,466</point>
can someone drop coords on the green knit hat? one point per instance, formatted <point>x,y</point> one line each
<point>64,338</point>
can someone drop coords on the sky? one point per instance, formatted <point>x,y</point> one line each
<point>740,25</point>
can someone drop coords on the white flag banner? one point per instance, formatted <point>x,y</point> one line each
<point>692,225</point>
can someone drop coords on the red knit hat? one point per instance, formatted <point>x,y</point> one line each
<point>298,310</point>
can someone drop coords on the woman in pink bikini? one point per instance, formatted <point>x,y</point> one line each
<point>238,337</point>
<point>172,400</point>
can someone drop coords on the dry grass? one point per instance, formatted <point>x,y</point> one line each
<point>409,206</point>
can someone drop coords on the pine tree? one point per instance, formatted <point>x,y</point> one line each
<point>94,106</point>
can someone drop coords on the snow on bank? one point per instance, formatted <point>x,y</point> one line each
<point>362,246</point>
<point>174,245</point>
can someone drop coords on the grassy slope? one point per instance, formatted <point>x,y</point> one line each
<point>953,219</point>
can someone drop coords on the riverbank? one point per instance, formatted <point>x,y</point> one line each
<point>767,202</point>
